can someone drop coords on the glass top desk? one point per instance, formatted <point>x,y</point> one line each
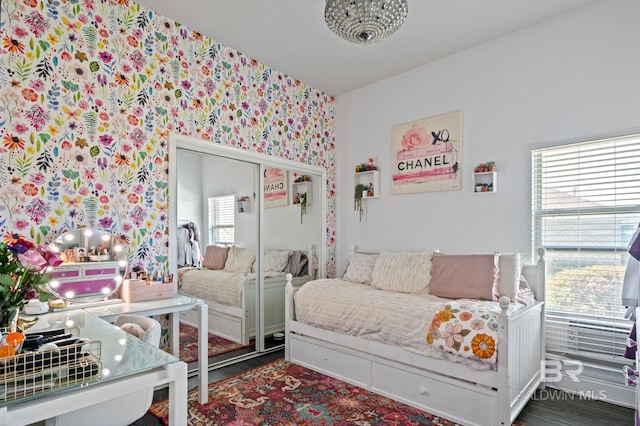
<point>127,365</point>
<point>171,306</point>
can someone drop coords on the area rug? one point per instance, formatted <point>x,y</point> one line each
<point>283,393</point>
<point>189,344</point>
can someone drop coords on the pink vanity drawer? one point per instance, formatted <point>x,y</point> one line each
<point>92,272</point>
<point>87,286</point>
<point>69,273</point>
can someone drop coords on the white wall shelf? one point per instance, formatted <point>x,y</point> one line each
<point>301,188</point>
<point>485,182</point>
<point>370,178</point>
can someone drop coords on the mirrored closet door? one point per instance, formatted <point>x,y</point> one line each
<point>254,219</point>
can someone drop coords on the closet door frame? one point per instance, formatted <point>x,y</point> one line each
<point>177,141</point>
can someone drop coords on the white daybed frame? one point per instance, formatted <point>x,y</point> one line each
<point>443,388</point>
<point>238,324</point>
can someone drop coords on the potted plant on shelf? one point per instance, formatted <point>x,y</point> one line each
<point>360,190</point>
<point>370,192</point>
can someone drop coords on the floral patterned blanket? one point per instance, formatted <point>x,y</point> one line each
<point>467,329</point>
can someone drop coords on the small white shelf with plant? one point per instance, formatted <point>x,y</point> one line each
<point>485,178</point>
<point>302,188</point>
<point>302,193</point>
<point>366,185</point>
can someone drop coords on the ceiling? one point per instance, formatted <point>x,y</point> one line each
<point>290,36</point>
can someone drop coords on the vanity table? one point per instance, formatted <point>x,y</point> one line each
<point>95,267</point>
<point>127,365</point>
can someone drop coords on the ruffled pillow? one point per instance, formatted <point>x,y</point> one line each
<point>403,272</point>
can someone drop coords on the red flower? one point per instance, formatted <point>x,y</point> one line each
<point>132,198</point>
<point>29,94</point>
<point>30,189</point>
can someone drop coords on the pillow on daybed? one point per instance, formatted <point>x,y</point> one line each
<point>360,268</point>
<point>240,259</point>
<point>403,272</point>
<point>275,260</point>
<point>464,276</point>
<point>510,265</point>
<point>215,257</point>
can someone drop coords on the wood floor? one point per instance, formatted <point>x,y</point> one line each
<point>548,408</point>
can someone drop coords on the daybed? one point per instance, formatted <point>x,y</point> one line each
<point>393,295</point>
<point>227,283</point>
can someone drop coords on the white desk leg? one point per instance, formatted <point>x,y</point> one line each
<point>177,393</point>
<point>203,353</point>
<point>174,333</point>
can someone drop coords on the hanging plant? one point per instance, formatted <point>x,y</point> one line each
<point>357,199</point>
<point>303,205</point>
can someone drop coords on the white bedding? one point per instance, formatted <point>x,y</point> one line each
<point>394,318</point>
<point>219,286</point>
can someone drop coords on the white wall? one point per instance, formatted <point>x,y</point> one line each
<point>576,77</point>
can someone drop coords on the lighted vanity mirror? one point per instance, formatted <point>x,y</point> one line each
<point>93,268</point>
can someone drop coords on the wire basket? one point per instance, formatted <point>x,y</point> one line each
<point>29,373</point>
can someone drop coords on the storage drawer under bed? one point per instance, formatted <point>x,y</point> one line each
<point>473,404</point>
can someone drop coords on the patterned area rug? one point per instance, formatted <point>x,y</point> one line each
<point>283,393</point>
<point>189,344</point>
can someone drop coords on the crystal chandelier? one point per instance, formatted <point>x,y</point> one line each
<point>365,21</point>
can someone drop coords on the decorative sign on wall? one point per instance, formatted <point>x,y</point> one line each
<point>275,187</point>
<point>426,154</point>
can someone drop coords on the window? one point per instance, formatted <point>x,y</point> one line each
<point>586,206</point>
<point>221,220</point>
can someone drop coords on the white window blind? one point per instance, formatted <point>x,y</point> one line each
<point>586,206</point>
<point>221,220</point>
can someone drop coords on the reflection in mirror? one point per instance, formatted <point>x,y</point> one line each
<point>294,228</point>
<point>209,217</point>
<point>93,268</point>
<point>264,237</point>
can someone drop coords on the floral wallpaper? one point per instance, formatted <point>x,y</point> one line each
<point>90,90</point>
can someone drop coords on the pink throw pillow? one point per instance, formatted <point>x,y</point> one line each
<point>464,276</point>
<point>215,257</point>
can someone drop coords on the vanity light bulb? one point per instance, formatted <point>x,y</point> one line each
<point>117,248</point>
<point>105,372</point>
<point>68,237</point>
<point>69,323</point>
<point>69,294</point>
<point>106,237</point>
<point>106,290</point>
<point>122,263</point>
<point>117,278</point>
<point>117,357</point>
<point>54,284</point>
<point>122,341</point>
<point>88,232</point>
